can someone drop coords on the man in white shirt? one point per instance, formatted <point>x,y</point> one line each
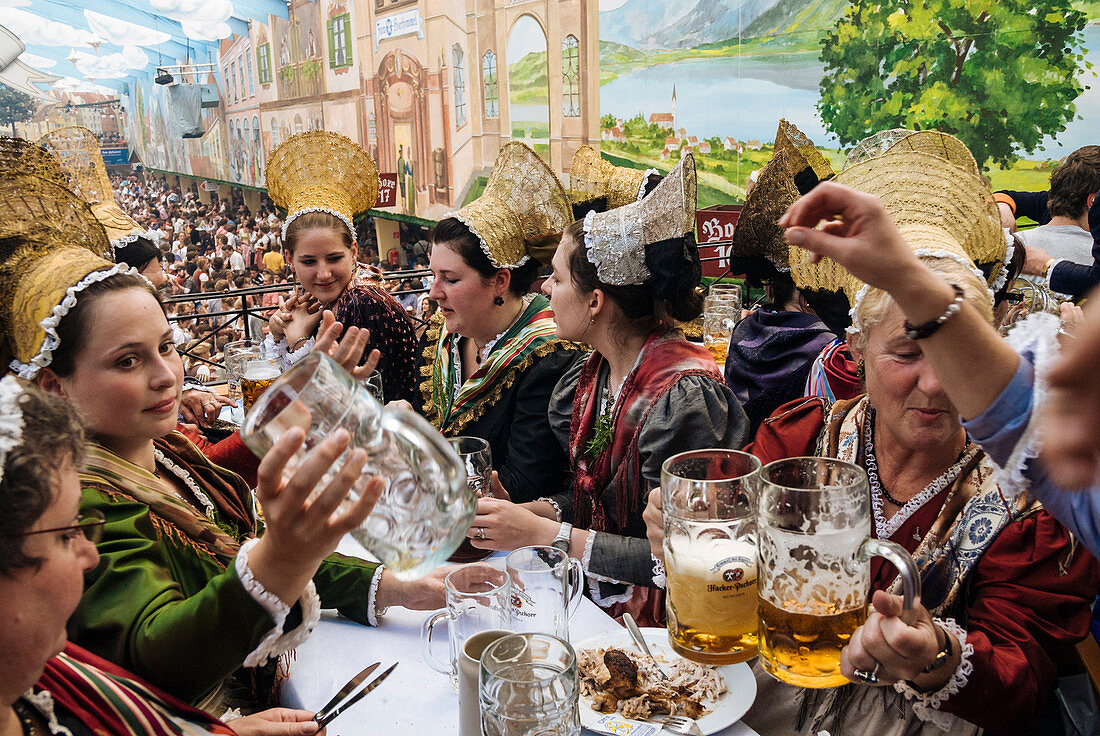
<point>1073,187</point>
<point>236,260</point>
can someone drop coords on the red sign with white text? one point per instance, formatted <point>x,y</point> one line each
<point>387,190</point>
<point>714,232</point>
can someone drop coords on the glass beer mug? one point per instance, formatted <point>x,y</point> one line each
<point>426,506</point>
<point>814,529</point>
<point>707,497</point>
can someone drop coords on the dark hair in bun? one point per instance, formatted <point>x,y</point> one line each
<point>453,233</point>
<point>137,254</point>
<point>669,296</point>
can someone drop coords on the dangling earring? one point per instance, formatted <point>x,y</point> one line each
<point>499,301</point>
<point>592,321</point>
<point>861,373</point>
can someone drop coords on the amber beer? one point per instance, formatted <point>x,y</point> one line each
<point>800,642</point>
<point>719,349</point>
<point>711,606</point>
<point>258,376</point>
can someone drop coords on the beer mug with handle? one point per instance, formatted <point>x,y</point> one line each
<point>426,506</point>
<point>478,599</point>
<point>546,590</point>
<point>708,498</point>
<point>814,529</point>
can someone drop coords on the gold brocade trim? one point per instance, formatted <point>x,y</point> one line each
<point>435,325</point>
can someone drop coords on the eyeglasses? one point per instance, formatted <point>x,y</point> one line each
<point>89,523</point>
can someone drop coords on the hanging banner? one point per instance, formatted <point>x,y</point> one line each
<point>387,190</point>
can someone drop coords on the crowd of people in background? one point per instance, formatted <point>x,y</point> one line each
<point>218,246</point>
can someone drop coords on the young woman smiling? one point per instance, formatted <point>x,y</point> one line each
<point>323,180</point>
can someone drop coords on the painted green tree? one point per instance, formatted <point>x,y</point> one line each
<point>998,74</point>
<point>15,107</point>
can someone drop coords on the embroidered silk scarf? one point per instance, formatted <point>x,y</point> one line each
<point>665,359</point>
<point>974,512</point>
<point>532,336</point>
<point>109,700</point>
<point>173,516</point>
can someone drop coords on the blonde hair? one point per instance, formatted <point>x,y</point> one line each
<point>876,303</point>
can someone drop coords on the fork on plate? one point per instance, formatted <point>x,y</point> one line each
<point>681,725</point>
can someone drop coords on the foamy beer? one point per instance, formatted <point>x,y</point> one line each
<point>721,311</point>
<point>708,497</point>
<point>814,526</point>
<point>257,375</point>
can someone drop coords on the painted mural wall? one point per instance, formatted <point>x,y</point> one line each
<point>433,87</point>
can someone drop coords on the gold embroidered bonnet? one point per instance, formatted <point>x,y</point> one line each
<point>321,171</point>
<point>51,249</point>
<point>930,185</point>
<point>77,152</point>
<point>615,240</point>
<point>591,177</point>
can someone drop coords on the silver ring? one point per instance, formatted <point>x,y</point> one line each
<point>480,533</point>
<point>871,678</point>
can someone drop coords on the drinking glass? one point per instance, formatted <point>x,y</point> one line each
<point>235,355</point>
<point>477,600</point>
<point>708,498</point>
<point>814,527</point>
<point>546,589</point>
<point>257,373</point>
<point>528,686</point>
<point>721,312</point>
<point>426,506</point>
<point>477,456</point>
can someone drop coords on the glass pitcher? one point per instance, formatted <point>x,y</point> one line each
<point>814,542</point>
<point>426,507</point>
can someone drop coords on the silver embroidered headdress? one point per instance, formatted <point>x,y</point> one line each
<point>615,240</point>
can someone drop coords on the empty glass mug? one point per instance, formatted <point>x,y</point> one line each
<point>236,353</point>
<point>814,529</point>
<point>477,456</point>
<point>426,506</point>
<point>477,600</point>
<point>528,686</point>
<point>546,589</point>
<point>708,499</point>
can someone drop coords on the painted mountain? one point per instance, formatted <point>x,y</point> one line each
<point>649,24</point>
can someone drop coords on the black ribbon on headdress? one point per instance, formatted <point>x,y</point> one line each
<point>580,209</point>
<point>673,265</point>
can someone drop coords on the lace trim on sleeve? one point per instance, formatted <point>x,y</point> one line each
<point>594,579</point>
<point>926,705</point>
<point>555,504</point>
<point>659,580</point>
<point>277,641</point>
<point>43,703</point>
<point>373,611</point>
<point>1035,338</point>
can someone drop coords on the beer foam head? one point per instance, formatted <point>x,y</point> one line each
<point>259,370</point>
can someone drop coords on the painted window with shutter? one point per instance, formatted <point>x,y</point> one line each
<point>251,76</point>
<point>263,62</point>
<point>458,65</point>
<point>489,80</point>
<point>339,41</point>
<point>570,78</point>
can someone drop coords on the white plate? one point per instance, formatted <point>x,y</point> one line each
<point>740,683</point>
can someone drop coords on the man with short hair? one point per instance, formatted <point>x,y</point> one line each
<point>1073,188</point>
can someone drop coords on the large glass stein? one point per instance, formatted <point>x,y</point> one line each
<point>426,507</point>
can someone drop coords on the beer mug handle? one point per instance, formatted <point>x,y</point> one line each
<point>430,623</point>
<point>907,569</point>
<point>574,585</point>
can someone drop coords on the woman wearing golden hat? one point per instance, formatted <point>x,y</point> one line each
<point>323,180</point>
<point>621,282</point>
<point>188,590</point>
<point>1005,590</point>
<point>596,184</point>
<point>492,354</point>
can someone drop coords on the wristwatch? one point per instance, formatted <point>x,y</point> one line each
<point>562,540</point>
<point>942,655</point>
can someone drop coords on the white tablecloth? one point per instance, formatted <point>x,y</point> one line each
<point>415,700</point>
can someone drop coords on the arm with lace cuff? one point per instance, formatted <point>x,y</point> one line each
<point>350,585</point>
<point>277,641</point>
<point>1030,602</point>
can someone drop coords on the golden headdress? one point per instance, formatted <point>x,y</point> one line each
<point>591,177</point>
<point>51,249</point>
<point>616,239</point>
<point>18,155</point>
<point>321,171</point>
<point>524,205</point>
<point>795,168</point>
<point>77,151</point>
<point>930,186</point>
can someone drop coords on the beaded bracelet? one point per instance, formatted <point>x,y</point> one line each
<point>929,328</point>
